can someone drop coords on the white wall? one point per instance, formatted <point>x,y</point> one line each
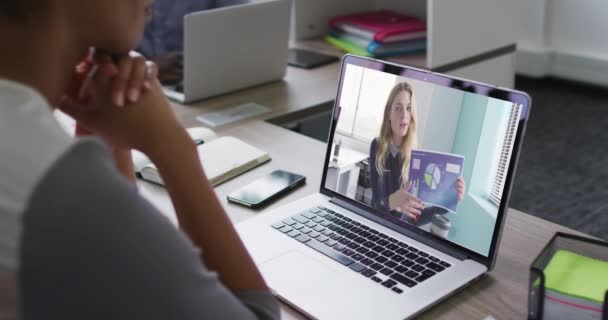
<point>532,27</point>
<point>580,26</point>
<point>441,121</point>
<point>564,38</point>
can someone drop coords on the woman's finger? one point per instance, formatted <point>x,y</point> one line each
<point>411,215</point>
<point>460,183</point>
<point>415,212</point>
<point>152,69</point>
<point>412,198</point>
<point>414,207</point>
<point>460,188</point>
<point>139,72</point>
<point>415,203</point>
<point>86,83</point>
<point>404,213</point>
<point>151,74</point>
<point>121,81</point>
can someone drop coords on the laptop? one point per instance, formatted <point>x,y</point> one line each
<point>232,48</point>
<point>347,251</point>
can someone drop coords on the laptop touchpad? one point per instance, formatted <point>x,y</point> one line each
<point>296,274</point>
<point>312,284</point>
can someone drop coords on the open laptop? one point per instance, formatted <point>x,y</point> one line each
<point>232,48</point>
<point>334,255</point>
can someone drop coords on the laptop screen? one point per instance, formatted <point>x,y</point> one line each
<point>425,151</point>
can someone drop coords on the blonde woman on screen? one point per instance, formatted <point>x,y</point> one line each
<point>390,156</point>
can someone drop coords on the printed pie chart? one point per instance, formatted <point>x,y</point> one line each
<point>432,176</point>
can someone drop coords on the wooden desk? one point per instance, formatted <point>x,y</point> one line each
<point>299,90</point>
<point>502,293</point>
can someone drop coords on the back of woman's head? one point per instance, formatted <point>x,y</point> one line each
<point>113,25</point>
<point>12,9</point>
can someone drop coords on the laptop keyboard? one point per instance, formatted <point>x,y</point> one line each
<point>373,254</point>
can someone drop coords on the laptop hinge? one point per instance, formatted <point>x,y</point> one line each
<point>404,231</point>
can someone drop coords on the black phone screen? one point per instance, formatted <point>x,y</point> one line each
<point>308,59</point>
<point>266,188</point>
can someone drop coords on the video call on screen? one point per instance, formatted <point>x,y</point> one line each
<point>431,156</point>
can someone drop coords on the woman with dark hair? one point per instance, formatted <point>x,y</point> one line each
<point>163,40</point>
<point>390,156</point>
<point>77,241</point>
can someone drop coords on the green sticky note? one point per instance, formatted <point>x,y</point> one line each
<point>578,276</point>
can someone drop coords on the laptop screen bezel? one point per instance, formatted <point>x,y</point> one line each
<point>437,79</point>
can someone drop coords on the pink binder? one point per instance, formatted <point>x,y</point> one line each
<point>381,26</point>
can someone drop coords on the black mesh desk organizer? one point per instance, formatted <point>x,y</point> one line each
<point>583,246</point>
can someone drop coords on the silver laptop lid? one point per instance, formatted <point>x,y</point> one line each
<point>416,137</point>
<point>231,48</point>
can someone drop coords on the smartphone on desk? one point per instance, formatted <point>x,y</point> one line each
<point>308,59</point>
<point>264,190</point>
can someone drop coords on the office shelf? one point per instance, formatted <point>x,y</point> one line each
<point>467,38</point>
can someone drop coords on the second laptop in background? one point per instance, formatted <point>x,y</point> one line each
<point>232,48</point>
